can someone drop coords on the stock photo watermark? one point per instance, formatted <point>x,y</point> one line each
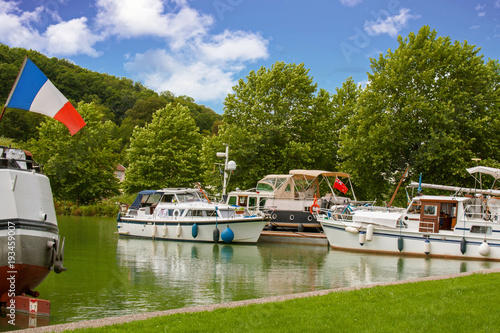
<point>11,273</point>
<point>361,38</point>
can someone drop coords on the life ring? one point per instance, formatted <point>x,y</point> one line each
<point>313,210</point>
<point>176,213</point>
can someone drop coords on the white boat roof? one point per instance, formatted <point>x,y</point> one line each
<point>486,170</point>
<point>441,198</point>
<point>316,173</point>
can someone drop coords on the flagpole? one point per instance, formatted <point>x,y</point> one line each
<point>3,111</point>
<point>14,86</point>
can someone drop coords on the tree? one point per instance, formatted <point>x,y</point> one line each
<point>165,152</point>
<point>80,167</point>
<point>431,104</point>
<point>274,122</point>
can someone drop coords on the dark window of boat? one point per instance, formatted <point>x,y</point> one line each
<point>252,202</point>
<point>231,200</point>
<point>262,202</point>
<point>480,229</point>
<point>168,198</point>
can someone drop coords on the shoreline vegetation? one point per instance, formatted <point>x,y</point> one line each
<point>465,302</point>
<point>104,208</point>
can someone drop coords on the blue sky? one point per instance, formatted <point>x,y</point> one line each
<point>201,48</point>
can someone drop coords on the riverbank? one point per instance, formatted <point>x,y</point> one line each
<point>457,302</point>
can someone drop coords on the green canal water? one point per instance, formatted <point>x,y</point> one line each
<point>111,276</point>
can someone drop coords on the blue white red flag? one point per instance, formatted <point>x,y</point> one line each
<point>34,92</point>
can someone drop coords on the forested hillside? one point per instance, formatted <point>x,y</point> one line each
<point>125,102</point>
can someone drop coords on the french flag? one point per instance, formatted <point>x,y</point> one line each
<point>34,92</point>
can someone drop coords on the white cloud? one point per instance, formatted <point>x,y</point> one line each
<point>208,74</point>
<point>162,71</point>
<point>497,3</point>
<point>71,37</point>
<point>132,18</point>
<point>350,3</point>
<point>391,25</point>
<point>235,46</point>
<point>64,38</point>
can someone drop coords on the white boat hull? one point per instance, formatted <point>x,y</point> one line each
<point>245,230</point>
<point>413,243</point>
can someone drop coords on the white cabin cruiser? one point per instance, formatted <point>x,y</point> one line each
<point>463,225</point>
<point>184,214</point>
<point>30,246</point>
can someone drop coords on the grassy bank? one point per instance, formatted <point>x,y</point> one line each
<point>464,304</point>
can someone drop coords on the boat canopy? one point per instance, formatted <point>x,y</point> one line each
<point>486,170</point>
<point>137,202</point>
<point>317,173</point>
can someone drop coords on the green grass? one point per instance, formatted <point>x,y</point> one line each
<point>464,304</point>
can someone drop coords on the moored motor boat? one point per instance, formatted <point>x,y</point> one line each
<point>30,245</point>
<point>463,225</point>
<point>183,214</point>
<point>291,200</point>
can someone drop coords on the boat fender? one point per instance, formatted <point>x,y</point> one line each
<point>484,249</point>
<point>164,230</point>
<point>153,232</point>
<point>352,230</point>
<point>119,217</point>
<point>216,235</point>
<point>400,243</point>
<point>463,245</point>
<point>300,228</point>
<point>194,230</point>
<point>427,246</point>
<point>227,235</point>
<point>179,229</point>
<point>369,232</point>
<point>362,238</point>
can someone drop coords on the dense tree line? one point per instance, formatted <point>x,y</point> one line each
<point>431,104</point>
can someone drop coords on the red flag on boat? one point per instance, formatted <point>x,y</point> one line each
<point>340,186</point>
<point>34,92</point>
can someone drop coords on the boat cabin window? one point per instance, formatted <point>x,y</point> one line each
<point>231,200</point>
<point>264,187</point>
<point>262,202</point>
<point>149,200</point>
<point>414,208</point>
<point>242,201</point>
<point>168,198</point>
<point>252,201</point>
<point>288,188</point>
<point>430,210</point>
<point>479,229</point>
<point>185,197</point>
<point>201,212</point>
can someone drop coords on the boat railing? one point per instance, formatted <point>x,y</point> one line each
<point>426,226</point>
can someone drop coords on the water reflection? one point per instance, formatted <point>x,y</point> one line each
<point>111,276</point>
